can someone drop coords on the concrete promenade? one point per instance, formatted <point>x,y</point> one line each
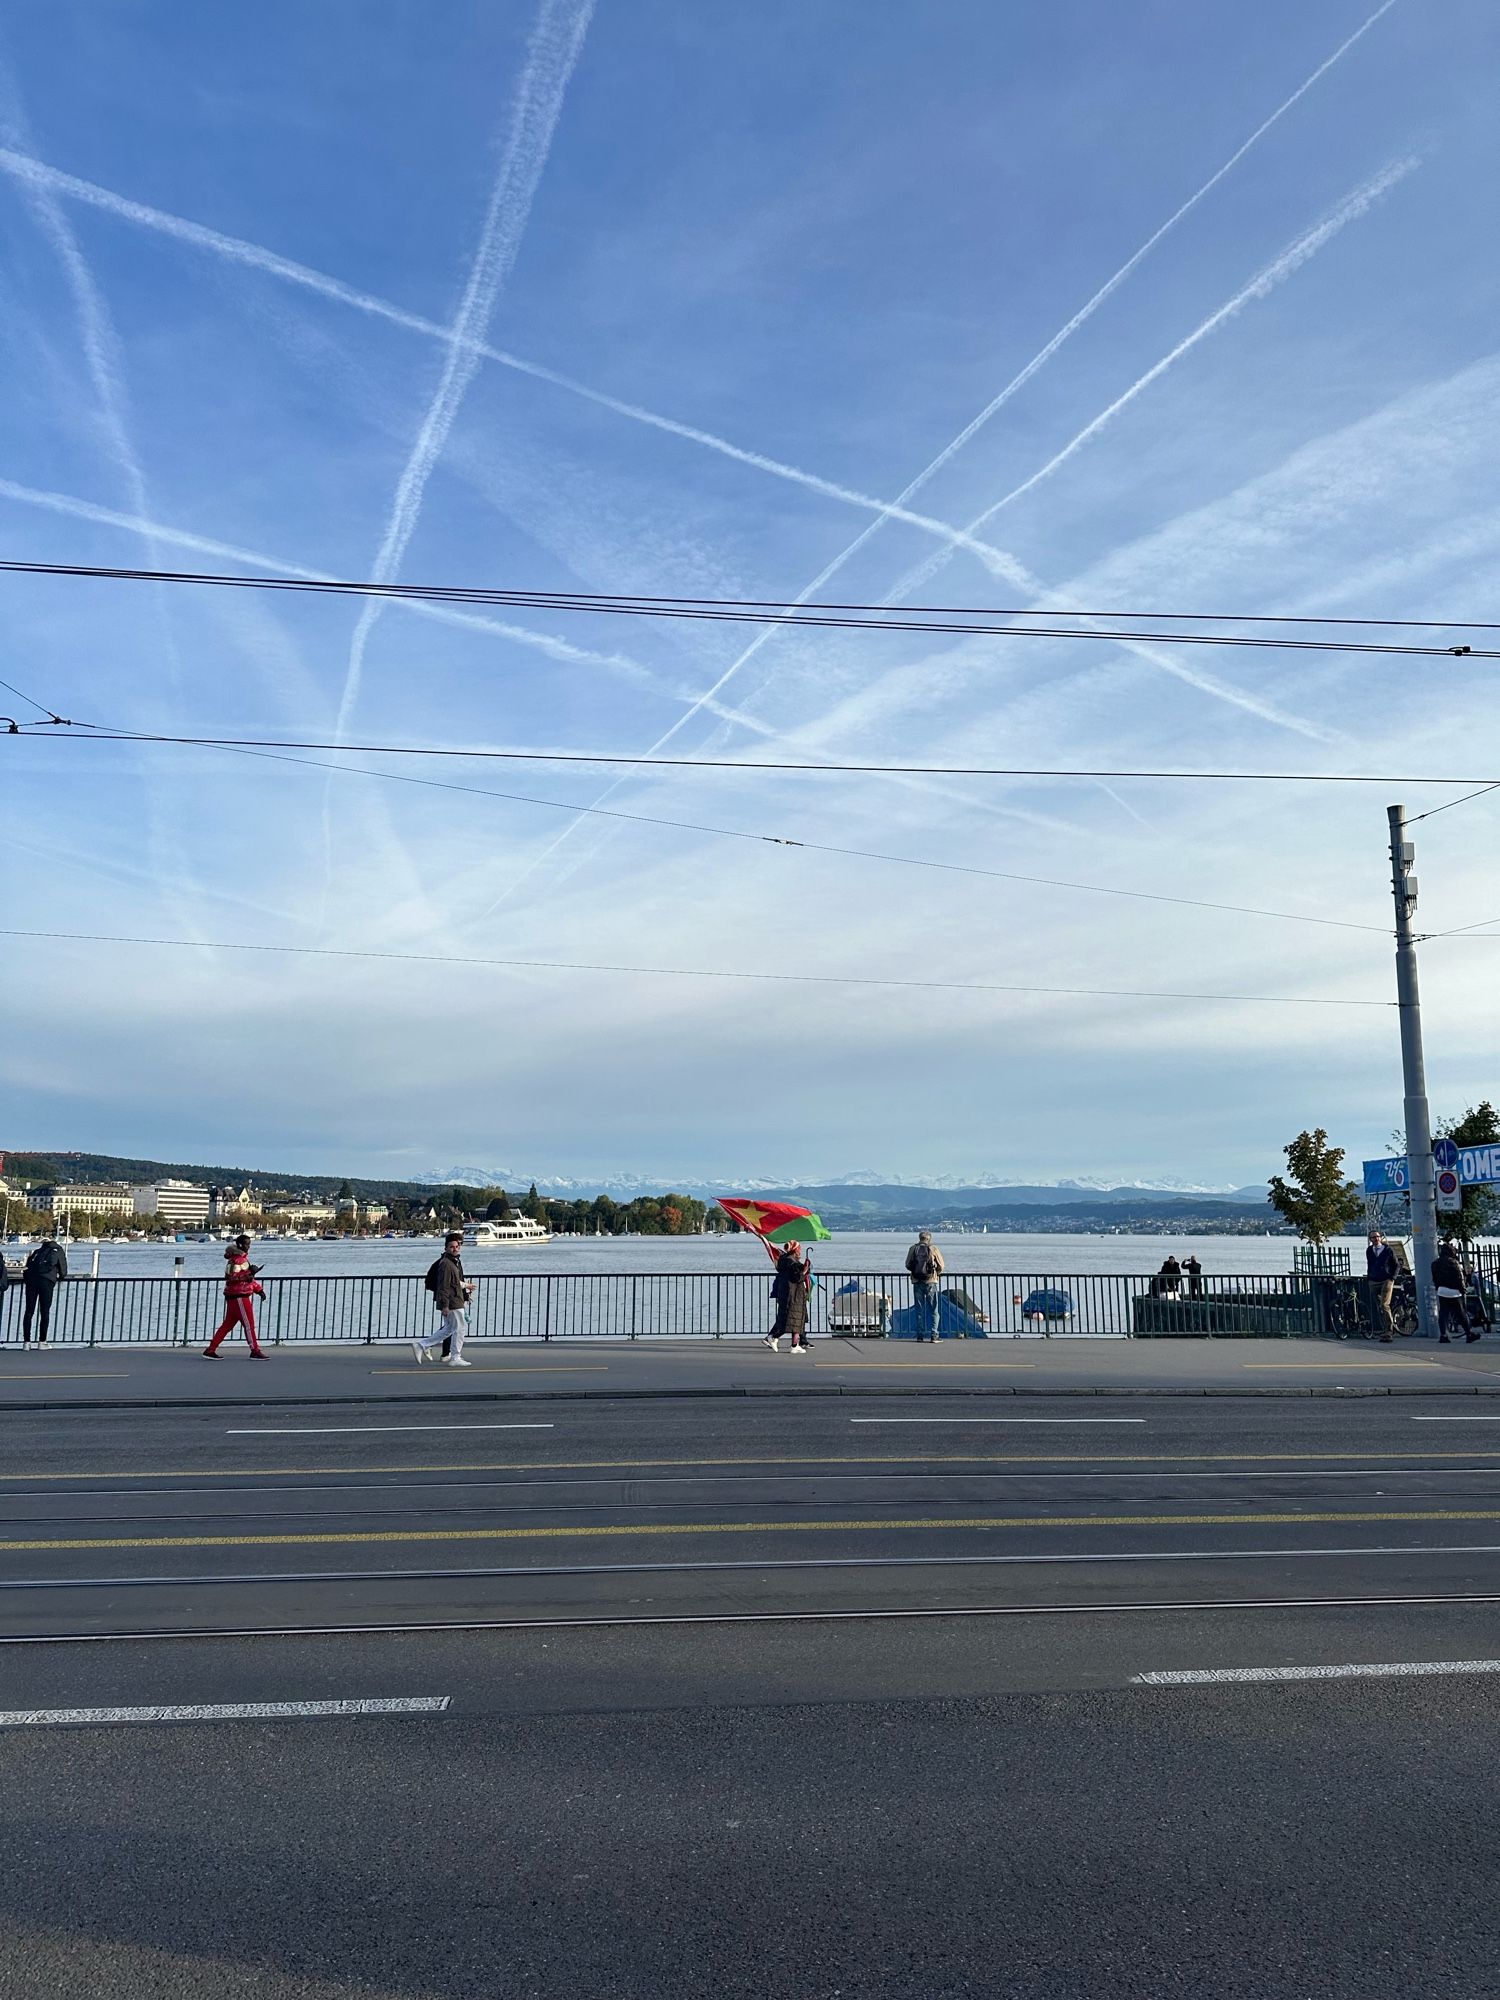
<point>529,1370</point>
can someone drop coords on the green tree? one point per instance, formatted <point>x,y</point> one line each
<point>531,1204</point>
<point>1317,1201</point>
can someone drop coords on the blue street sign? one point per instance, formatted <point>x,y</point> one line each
<point>1385,1176</point>
<point>1444,1154</point>
<point>1478,1166</point>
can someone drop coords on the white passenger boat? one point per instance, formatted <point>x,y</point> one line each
<point>519,1229</point>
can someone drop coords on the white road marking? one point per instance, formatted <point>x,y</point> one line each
<point>1456,1420</point>
<point>997,1420</point>
<point>372,1430</point>
<point>1385,1670</point>
<point>226,1711</point>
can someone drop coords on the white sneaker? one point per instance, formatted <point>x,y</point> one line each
<point>420,1351</point>
<point>774,1345</point>
<point>457,1361</point>
<point>800,1348</point>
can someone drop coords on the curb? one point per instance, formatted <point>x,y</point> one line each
<point>874,1391</point>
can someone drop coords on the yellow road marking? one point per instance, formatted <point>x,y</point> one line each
<point>615,1530</point>
<point>76,1375</point>
<point>1268,1458</point>
<point>948,1367</point>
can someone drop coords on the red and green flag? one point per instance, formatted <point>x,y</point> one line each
<point>776,1221</point>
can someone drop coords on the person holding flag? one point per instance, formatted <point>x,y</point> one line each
<point>783,1228</point>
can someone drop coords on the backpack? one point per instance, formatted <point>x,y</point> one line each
<point>923,1263</point>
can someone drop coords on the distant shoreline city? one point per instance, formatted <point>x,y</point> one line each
<point>98,1194</point>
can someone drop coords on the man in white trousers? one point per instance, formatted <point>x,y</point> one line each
<point>451,1292</point>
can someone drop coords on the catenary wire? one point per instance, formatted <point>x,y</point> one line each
<point>90,734</point>
<point>1433,811</point>
<point>692,971</point>
<point>864,617</point>
<point>810,846</point>
<point>49,715</point>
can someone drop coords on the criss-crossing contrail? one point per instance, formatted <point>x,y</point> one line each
<point>1265,281</point>
<point>561,650</point>
<point>999,561</point>
<point>556,41</point>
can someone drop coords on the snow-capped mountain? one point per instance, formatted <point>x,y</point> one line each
<point>628,1185</point>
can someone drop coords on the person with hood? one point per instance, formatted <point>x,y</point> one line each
<point>451,1292</point>
<point>790,1289</point>
<point>924,1266</point>
<point>241,1290</point>
<point>46,1268</point>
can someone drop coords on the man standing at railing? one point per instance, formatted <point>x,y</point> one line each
<point>924,1266</point>
<point>451,1292</point>
<point>46,1268</point>
<point>240,1293</point>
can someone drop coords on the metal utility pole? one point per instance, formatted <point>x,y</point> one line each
<point>1419,1169</point>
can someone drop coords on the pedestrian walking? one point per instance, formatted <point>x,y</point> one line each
<point>46,1268</point>
<point>451,1292</point>
<point>1381,1272</point>
<point>1448,1276</point>
<point>791,1288</point>
<point>924,1266</point>
<point>1193,1272</point>
<point>241,1290</point>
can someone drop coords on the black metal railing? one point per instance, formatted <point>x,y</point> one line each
<point>718,1305</point>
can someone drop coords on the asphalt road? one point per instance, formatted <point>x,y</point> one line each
<point>507,1370</point>
<point>771,1696</point>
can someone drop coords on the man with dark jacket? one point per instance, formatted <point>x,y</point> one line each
<point>1448,1276</point>
<point>46,1268</point>
<point>451,1292</point>
<point>1381,1271</point>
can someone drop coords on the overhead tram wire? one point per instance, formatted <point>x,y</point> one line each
<point>48,715</point>
<point>697,972</point>
<point>89,733</point>
<point>812,846</point>
<point>957,622</point>
<point>1433,811</point>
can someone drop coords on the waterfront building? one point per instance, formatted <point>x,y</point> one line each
<point>301,1214</point>
<point>173,1201</point>
<point>82,1198</point>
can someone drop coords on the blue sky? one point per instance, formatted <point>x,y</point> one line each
<point>668,298</point>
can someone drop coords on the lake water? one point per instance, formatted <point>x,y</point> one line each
<point>871,1251</point>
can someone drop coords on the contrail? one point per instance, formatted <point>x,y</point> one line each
<point>34,172</point>
<point>998,561</point>
<point>1111,285</point>
<point>556,42</point>
<point>26,168</point>
<point>561,650</point>
<point>1264,282</point>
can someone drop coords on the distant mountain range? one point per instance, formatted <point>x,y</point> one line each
<point>861,1200</point>
<point>866,1190</point>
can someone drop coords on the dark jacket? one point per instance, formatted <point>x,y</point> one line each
<point>790,1272</point>
<point>1448,1273</point>
<point>46,1265</point>
<point>445,1281</point>
<point>1380,1263</point>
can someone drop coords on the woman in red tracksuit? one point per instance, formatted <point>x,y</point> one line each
<point>240,1293</point>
